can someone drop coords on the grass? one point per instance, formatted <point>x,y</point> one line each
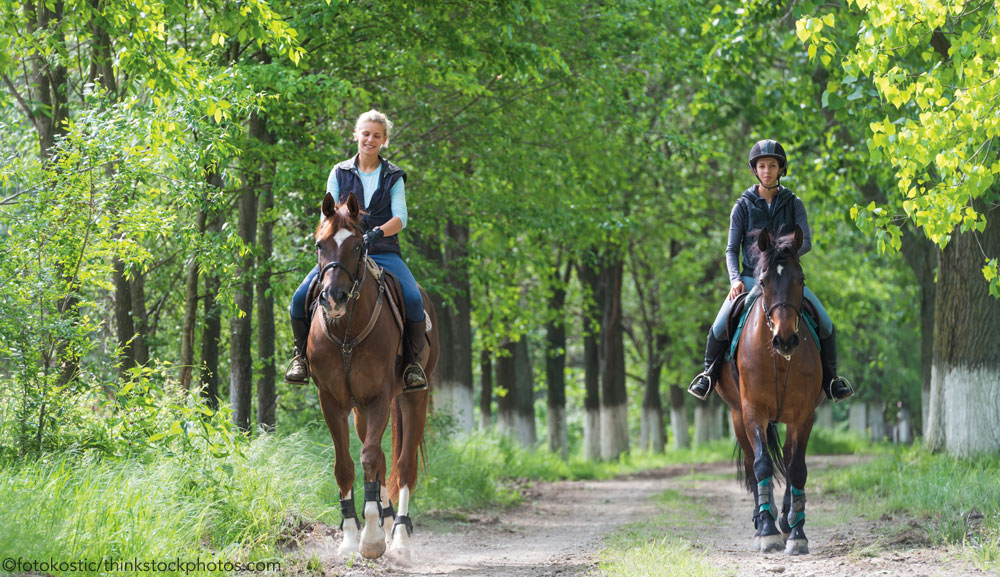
<point>957,500</point>
<point>654,547</point>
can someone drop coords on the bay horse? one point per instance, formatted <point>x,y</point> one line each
<point>776,377</point>
<point>352,353</point>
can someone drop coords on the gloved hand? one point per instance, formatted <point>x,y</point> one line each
<point>372,236</point>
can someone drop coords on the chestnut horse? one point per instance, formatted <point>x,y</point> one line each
<point>352,351</point>
<point>779,381</point>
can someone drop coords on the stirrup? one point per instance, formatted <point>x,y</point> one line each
<point>695,380</point>
<point>843,380</point>
<point>288,368</point>
<point>418,387</point>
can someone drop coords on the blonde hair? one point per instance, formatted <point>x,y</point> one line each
<point>375,116</point>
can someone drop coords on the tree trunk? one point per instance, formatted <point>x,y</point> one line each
<point>267,399</point>
<point>703,423</point>
<point>186,360</point>
<point>555,373</point>
<point>240,326</point>
<point>454,382</point>
<point>515,410</point>
<point>591,364</point>
<point>123,319</point>
<point>858,421</point>
<point>485,390</point>
<point>140,317</point>
<point>964,416</point>
<point>824,415</point>
<point>678,418</point>
<point>652,433</point>
<point>210,336</point>
<point>614,409</point>
<point>922,257</point>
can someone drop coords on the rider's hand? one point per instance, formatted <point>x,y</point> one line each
<point>372,236</point>
<point>737,290</point>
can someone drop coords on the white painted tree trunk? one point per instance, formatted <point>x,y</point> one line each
<point>592,435</point>
<point>456,399</point>
<point>653,437</point>
<point>876,422</point>
<point>934,435</point>
<point>824,415</point>
<point>520,427</point>
<point>614,431</point>
<point>904,430</point>
<point>972,410</point>
<point>558,433</point>
<point>859,418</point>
<point>702,423</point>
<point>679,426</point>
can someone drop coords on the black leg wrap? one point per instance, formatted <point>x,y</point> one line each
<point>389,511</point>
<point>405,521</point>
<point>373,492</point>
<point>347,511</point>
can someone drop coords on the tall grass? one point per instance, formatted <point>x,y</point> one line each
<point>958,500</point>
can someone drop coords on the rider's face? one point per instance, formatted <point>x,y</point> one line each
<point>768,171</point>
<point>371,137</point>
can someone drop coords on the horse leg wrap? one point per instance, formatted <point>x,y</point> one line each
<point>373,492</point>
<point>405,521</point>
<point>797,513</point>
<point>389,512</point>
<point>765,498</point>
<point>347,511</point>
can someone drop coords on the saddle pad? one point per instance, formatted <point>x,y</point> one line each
<point>734,344</point>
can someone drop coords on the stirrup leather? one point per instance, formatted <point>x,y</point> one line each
<point>698,377</point>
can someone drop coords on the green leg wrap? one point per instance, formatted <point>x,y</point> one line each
<point>797,513</point>
<point>765,497</point>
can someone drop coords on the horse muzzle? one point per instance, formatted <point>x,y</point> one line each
<point>785,346</point>
<point>334,301</point>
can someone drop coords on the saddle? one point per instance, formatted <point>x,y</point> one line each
<point>393,295</point>
<point>741,310</point>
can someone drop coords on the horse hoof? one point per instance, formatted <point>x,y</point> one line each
<point>347,549</point>
<point>797,547</point>
<point>373,550</point>
<point>770,543</point>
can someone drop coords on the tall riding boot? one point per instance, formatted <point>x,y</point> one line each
<point>414,378</point>
<point>836,388</point>
<point>298,369</point>
<point>702,385</point>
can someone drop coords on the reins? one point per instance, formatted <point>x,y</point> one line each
<point>780,400</point>
<point>347,344</point>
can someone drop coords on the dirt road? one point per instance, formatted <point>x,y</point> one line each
<point>559,531</point>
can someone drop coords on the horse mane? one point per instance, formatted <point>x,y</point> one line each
<point>782,249</point>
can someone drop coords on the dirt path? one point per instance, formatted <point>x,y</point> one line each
<point>558,532</point>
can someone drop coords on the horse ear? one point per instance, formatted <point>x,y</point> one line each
<point>353,207</point>
<point>763,240</point>
<point>798,238</point>
<point>329,206</point>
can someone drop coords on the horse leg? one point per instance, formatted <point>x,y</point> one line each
<point>409,420</point>
<point>795,516</point>
<point>749,480</point>
<point>343,470</point>
<point>373,422</point>
<point>770,536</point>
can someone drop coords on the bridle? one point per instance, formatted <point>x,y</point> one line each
<point>774,359</point>
<point>348,344</point>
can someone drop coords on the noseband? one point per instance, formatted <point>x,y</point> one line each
<point>769,309</point>
<point>356,278</point>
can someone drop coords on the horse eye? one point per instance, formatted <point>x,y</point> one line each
<point>317,246</point>
<point>357,248</point>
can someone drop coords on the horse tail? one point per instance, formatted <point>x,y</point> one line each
<point>775,451</point>
<point>741,475</point>
<point>397,446</point>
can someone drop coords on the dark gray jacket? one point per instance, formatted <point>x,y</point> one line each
<point>751,213</point>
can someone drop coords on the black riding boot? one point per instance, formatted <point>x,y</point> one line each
<point>414,378</point>
<point>298,369</point>
<point>836,388</point>
<point>701,386</point>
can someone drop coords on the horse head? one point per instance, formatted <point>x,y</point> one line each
<point>340,249</point>
<point>782,284</point>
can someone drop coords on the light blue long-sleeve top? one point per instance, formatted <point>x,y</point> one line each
<point>369,181</point>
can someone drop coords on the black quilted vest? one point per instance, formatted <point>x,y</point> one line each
<point>380,209</point>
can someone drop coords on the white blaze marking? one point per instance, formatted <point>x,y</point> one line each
<point>780,268</point>
<point>342,235</point>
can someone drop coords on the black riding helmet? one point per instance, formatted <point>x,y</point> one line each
<point>768,149</point>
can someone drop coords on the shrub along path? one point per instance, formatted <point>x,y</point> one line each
<point>591,527</point>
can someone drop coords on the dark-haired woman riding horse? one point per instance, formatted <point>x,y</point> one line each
<point>771,386</point>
